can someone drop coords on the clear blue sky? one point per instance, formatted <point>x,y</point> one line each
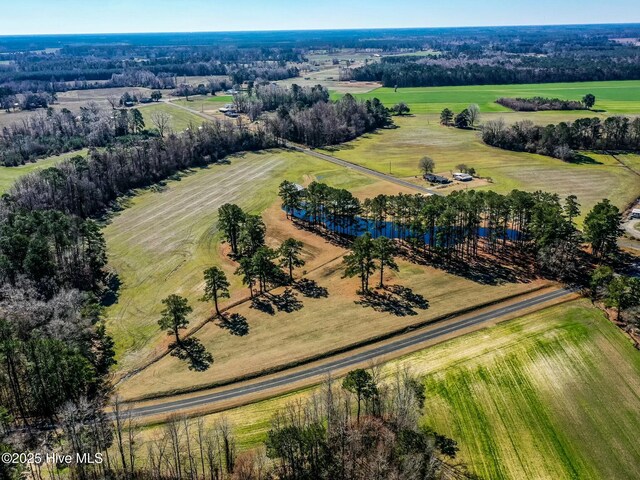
<point>118,16</point>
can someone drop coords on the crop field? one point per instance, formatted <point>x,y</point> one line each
<point>161,243</point>
<point>8,175</point>
<point>180,119</point>
<point>614,97</point>
<point>551,395</point>
<point>398,152</point>
<point>562,401</point>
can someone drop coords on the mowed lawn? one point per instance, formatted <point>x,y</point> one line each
<point>8,175</point>
<point>615,97</point>
<point>399,151</point>
<point>551,395</point>
<point>161,243</point>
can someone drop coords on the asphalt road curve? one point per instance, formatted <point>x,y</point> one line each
<point>420,336</point>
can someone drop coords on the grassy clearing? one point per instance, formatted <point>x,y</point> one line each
<point>166,237</point>
<point>180,119</point>
<point>614,97</point>
<point>551,395</point>
<point>321,324</point>
<point>8,175</point>
<point>398,151</point>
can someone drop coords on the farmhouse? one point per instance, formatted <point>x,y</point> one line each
<point>433,178</point>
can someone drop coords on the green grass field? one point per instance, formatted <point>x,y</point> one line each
<point>614,97</point>
<point>8,175</point>
<point>205,104</point>
<point>399,150</point>
<point>180,119</point>
<point>551,395</point>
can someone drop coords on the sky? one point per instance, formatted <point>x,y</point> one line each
<point>125,16</point>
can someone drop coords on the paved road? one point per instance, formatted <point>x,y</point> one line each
<point>420,336</point>
<point>367,171</point>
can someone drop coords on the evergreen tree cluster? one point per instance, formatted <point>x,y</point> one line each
<point>565,138</point>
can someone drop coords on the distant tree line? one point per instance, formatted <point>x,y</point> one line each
<point>535,104</point>
<point>563,139</point>
<point>407,71</point>
<point>268,97</point>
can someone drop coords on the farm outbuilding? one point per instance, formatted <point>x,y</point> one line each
<point>462,177</point>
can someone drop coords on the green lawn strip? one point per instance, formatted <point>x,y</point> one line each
<point>8,175</point>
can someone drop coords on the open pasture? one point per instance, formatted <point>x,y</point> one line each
<point>314,326</point>
<point>166,236</point>
<point>398,152</point>
<point>616,97</point>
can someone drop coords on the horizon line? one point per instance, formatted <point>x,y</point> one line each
<point>188,32</point>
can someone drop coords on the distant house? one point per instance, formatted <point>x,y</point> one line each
<point>146,100</point>
<point>462,177</point>
<point>229,110</point>
<point>433,178</point>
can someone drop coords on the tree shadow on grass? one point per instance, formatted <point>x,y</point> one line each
<point>111,293</point>
<point>582,159</point>
<point>236,324</point>
<point>395,299</point>
<point>263,304</point>
<point>193,351</point>
<point>311,289</point>
<point>414,299</point>
<point>286,301</point>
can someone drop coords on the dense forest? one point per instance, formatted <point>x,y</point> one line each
<point>564,139</point>
<point>460,68</point>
